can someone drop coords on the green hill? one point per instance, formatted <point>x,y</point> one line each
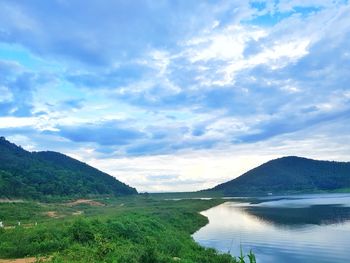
<point>290,175</point>
<point>51,174</point>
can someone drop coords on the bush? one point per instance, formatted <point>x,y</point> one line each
<point>81,231</point>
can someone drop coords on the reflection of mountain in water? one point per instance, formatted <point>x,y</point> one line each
<point>315,214</point>
<point>289,229</point>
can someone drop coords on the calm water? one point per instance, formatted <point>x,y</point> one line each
<point>308,228</point>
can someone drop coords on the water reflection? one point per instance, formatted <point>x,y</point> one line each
<point>316,214</point>
<point>285,230</point>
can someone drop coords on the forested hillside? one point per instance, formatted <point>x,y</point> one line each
<point>42,174</point>
<point>290,174</point>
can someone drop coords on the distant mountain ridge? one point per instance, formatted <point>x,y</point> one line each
<point>38,174</point>
<point>289,174</point>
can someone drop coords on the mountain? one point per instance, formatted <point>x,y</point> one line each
<point>288,175</point>
<point>42,174</point>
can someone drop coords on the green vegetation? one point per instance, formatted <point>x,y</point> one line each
<point>45,175</point>
<point>290,175</point>
<point>130,229</point>
<point>22,211</point>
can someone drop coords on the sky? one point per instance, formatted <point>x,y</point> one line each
<point>176,95</point>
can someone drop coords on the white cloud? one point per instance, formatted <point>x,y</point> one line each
<point>228,44</point>
<point>195,171</point>
<point>15,122</point>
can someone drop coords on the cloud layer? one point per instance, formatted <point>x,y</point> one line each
<point>138,88</point>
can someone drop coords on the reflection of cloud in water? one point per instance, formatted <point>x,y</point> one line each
<point>279,234</point>
<point>234,216</point>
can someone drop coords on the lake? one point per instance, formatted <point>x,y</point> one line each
<point>303,228</point>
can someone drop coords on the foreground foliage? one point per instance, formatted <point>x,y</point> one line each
<point>137,229</point>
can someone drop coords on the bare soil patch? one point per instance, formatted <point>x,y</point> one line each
<point>18,260</point>
<point>23,260</point>
<point>52,214</point>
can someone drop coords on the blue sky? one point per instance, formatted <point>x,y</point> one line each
<point>176,95</point>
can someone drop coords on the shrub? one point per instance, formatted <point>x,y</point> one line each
<point>81,231</point>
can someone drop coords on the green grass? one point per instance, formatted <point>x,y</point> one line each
<point>26,211</point>
<point>131,229</point>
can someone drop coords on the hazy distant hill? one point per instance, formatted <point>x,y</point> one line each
<point>290,174</point>
<point>40,174</point>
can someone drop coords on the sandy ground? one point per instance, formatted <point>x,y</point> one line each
<point>19,260</point>
<point>25,260</point>
<point>54,214</point>
<point>51,214</point>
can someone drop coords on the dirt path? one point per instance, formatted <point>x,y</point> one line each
<point>24,260</point>
<point>18,260</point>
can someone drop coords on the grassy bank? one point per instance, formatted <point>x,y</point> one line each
<point>133,229</point>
